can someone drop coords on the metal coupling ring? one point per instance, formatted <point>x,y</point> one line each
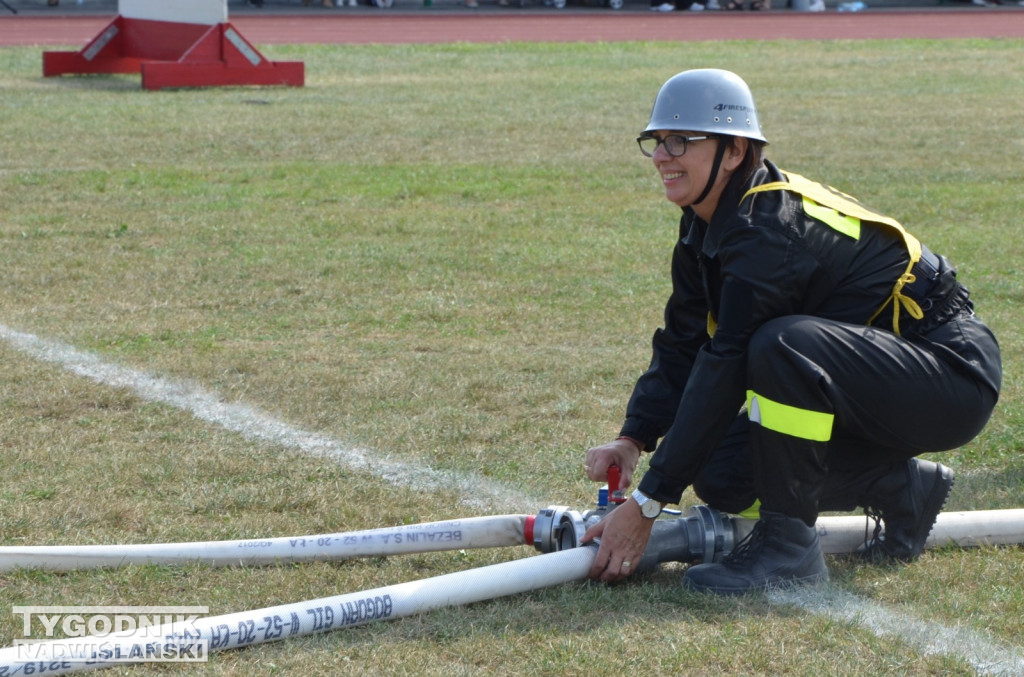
<point>557,528</point>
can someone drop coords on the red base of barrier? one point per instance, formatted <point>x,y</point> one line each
<point>171,54</point>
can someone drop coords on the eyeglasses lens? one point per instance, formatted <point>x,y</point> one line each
<point>674,144</point>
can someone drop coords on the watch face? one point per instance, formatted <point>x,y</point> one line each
<point>650,508</point>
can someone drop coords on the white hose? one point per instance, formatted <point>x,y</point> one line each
<point>842,534</point>
<point>474,532</point>
<point>838,535</point>
<point>964,529</point>
<point>248,628</point>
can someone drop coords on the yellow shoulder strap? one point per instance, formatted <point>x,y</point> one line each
<point>844,214</point>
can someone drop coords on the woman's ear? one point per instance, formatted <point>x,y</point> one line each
<point>735,153</point>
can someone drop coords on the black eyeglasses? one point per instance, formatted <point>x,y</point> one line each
<point>675,144</point>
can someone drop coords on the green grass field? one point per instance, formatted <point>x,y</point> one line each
<point>453,257</point>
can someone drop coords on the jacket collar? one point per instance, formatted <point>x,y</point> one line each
<point>729,213</point>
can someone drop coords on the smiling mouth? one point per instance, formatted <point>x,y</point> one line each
<point>672,176</point>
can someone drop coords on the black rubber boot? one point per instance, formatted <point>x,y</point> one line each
<point>780,551</point>
<point>906,501</point>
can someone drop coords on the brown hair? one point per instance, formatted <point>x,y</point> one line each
<point>752,160</point>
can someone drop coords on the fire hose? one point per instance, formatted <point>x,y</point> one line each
<point>475,532</point>
<point>699,534</point>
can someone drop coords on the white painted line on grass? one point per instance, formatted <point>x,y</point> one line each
<point>474,491</point>
<point>981,652</point>
<point>985,655</point>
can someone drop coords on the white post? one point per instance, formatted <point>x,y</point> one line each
<point>206,12</point>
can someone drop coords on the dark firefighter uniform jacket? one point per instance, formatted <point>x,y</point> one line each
<point>769,252</point>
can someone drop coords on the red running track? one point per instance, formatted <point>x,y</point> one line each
<point>358,26</point>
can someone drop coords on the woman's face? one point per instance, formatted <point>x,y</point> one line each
<point>684,177</point>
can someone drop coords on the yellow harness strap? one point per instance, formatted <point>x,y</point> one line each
<point>844,214</point>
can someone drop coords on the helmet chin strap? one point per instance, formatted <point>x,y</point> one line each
<point>715,166</point>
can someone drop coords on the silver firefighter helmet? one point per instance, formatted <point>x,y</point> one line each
<point>706,100</point>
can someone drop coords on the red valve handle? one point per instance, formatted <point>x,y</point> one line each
<point>614,482</point>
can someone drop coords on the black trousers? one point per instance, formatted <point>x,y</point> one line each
<point>891,399</point>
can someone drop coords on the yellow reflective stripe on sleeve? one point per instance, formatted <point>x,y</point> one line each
<point>847,225</point>
<point>789,420</point>
<point>712,325</point>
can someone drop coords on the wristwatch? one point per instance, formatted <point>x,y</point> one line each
<point>649,508</point>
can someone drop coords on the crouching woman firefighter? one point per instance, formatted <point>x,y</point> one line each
<point>847,347</point>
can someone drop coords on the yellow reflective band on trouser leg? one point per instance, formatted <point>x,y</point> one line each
<point>788,420</point>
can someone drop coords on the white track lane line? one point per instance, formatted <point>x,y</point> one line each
<point>985,655</point>
<point>476,492</point>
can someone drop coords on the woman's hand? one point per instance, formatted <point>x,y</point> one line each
<point>624,533</point>
<point>621,452</point>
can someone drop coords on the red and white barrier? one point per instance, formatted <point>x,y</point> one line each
<point>185,43</point>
